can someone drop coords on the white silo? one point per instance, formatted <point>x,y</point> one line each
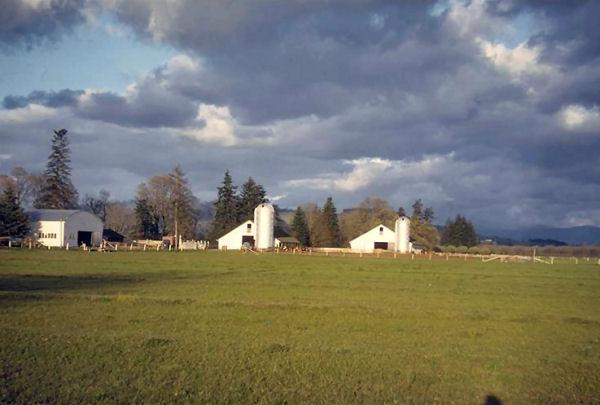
<point>402,230</point>
<point>264,223</point>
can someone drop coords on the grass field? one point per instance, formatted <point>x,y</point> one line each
<point>230,328</point>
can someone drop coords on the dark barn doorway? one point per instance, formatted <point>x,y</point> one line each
<point>381,245</point>
<point>248,239</point>
<point>84,237</point>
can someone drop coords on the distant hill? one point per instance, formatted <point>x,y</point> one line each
<point>577,235</point>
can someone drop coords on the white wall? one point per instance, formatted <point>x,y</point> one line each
<point>233,239</point>
<point>366,241</point>
<point>48,233</point>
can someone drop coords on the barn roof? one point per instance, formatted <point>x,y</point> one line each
<point>50,215</point>
<point>53,215</point>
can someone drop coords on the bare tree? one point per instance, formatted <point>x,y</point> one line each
<point>97,205</point>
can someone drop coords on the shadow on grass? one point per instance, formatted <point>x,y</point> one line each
<point>492,400</point>
<point>15,288</point>
<point>43,283</point>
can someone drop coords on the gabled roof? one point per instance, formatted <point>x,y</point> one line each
<point>236,228</point>
<point>50,215</point>
<point>371,230</point>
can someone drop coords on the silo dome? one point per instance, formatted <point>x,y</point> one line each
<point>264,224</point>
<point>402,230</point>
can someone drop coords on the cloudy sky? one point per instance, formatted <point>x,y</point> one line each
<point>490,109</point>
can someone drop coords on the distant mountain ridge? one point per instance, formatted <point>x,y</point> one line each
<point>577,235</point>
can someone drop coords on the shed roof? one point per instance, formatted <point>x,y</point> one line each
<point>50,215</point>
<point>288,239</point>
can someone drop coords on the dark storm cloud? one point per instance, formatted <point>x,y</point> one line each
<point>62,98</point>
<point>30,23</point>
<point>146,108</point>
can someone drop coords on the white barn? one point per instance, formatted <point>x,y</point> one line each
<point>234,239</point>
<point>380,237</point>
<point>57,228</point>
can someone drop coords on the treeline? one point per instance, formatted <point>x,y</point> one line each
<point>522,250</point>
<point>165,205</point>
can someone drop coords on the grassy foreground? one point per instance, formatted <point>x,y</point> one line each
<point>230,328</point>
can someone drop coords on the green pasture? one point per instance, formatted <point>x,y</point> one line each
<point>212,327</point>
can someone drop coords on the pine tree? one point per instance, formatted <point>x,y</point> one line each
<point>183,201</point>
<point>146,222</point>
<point>226,208</point>
<point>13,220</point>
<point>58,192</point>
<point>252,195</point>
<point>401,212</point>
<point>417,214</point>
<point>300,227</point>
<point>459,232</point>
<point>330,219</point>
<point>421,229</point>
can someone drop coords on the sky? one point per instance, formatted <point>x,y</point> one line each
<point>490,109</point>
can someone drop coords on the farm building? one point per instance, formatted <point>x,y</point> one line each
<point>287,242</point>
<point>57,228</point>
<point>380,237</point>
<point>235,239</point>
<point>262,233</point>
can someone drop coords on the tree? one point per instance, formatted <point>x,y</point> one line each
<point>157,197</point>
<point>459,232</point>
<point>146,222</point>
<point>370,212</point>
<point>97,205</point>
<point>417,210</point>
<point>332,238</point>
<point>226,208</point>
<point>300,227</point>
<point>401,212</point>
<point>13,220</point>
<point>121,217</point>
<point>58,191</point>
<point>183,200</point>
<point>421,229</point>
<point>252,195</point>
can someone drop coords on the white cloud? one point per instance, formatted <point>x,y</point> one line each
<point>516,61</point>
<point>28,114</point>
<point>182,62</point>
<point>276,198</point>
<point>219,126</point>
<point>577,117</point>
<point>370,171</point>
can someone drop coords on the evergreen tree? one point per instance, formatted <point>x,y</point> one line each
<point>146,222</point>
<point>417,211</point>
<point>428,215</point>
<point>183,205</point>
<point>58,192</point>
<point>300,227</point>
<point>421,229</point>
<point>226,208</point>
<point>459,232</point>
<point>13,220</point>
<point>252,195</point>
<point>330,219</point>
<point>401,212</point>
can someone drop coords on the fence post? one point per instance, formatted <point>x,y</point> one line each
<point>412,257</point>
